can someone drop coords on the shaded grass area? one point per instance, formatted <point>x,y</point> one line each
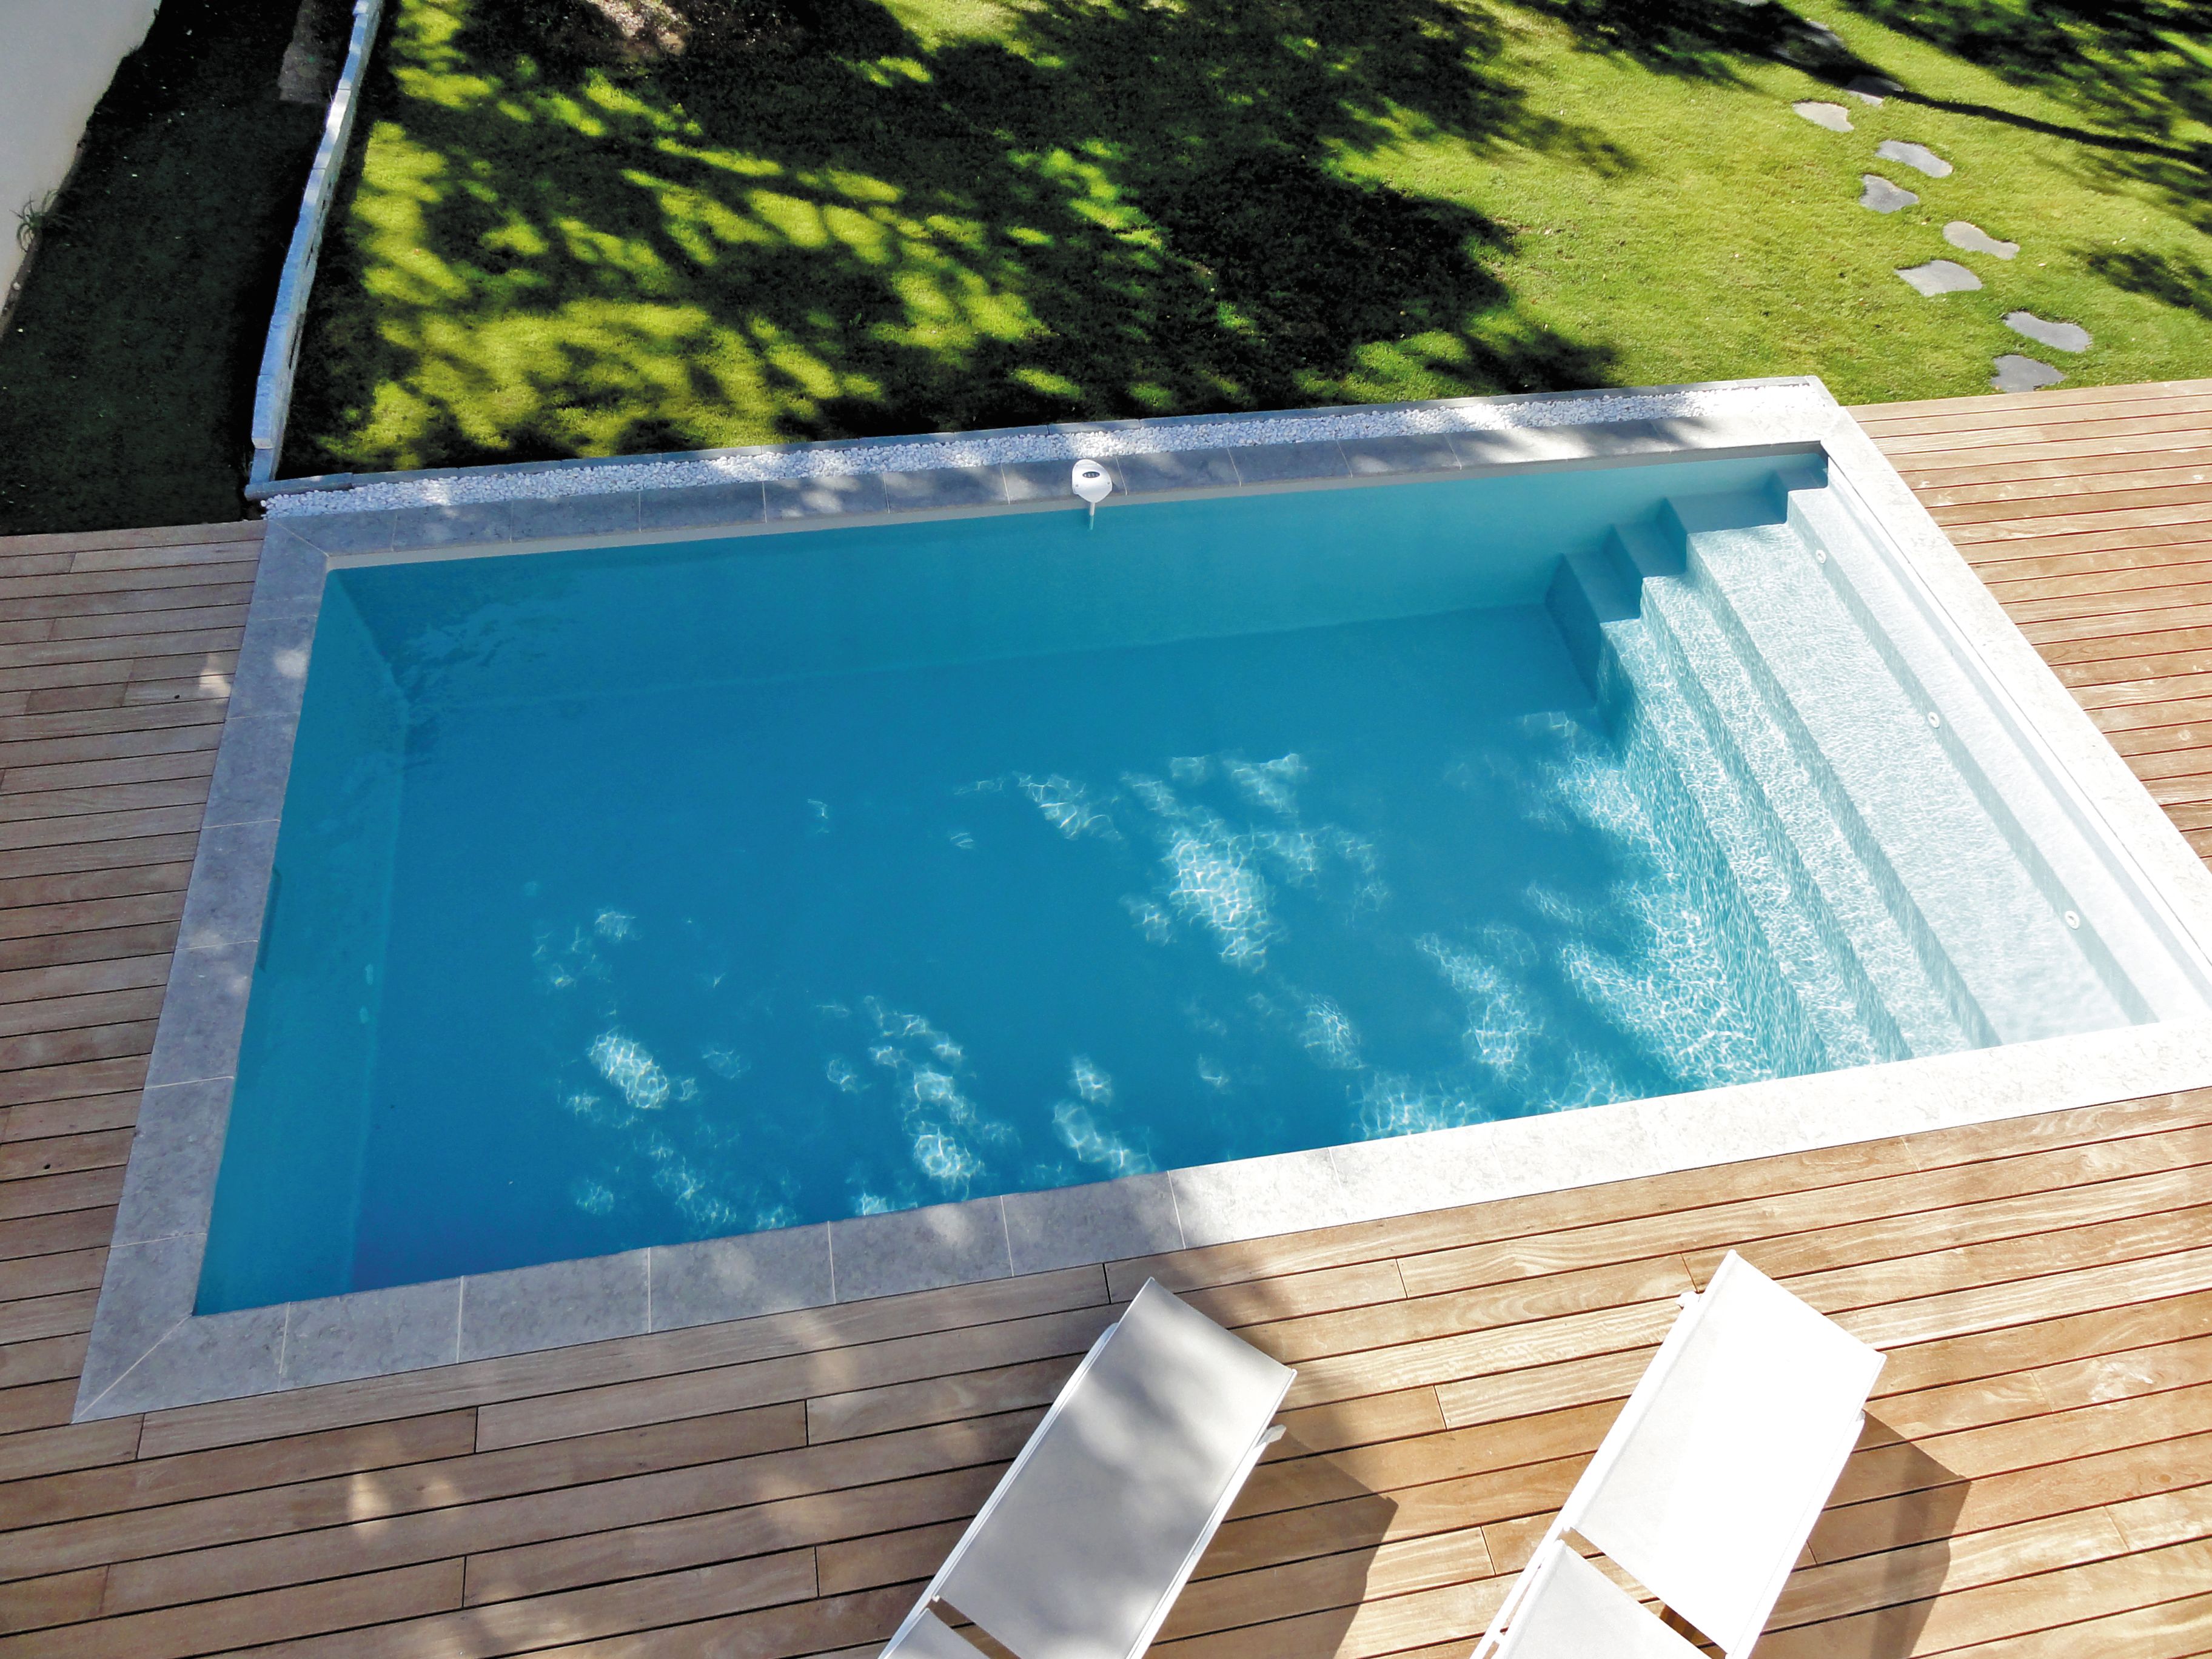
<point>126,372</point>
<point>749,221</point>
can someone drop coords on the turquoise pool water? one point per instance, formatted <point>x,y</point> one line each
<point>636,896</point>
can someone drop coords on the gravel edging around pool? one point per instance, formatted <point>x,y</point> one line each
<point>149,1351</point>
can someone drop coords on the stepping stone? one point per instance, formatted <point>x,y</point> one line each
<point>1941,276</point>
<point>2060,337</point>
<point>1834,117</point>
<point>1975,239</point>
<point>1882,196</point>
<point>1872,88</point>
<point>2018,374</point>
<point>1914,155</point>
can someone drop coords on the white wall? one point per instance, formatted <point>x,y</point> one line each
<point>57,56</point>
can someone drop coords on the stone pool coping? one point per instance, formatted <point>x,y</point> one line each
<point>148,1350</point>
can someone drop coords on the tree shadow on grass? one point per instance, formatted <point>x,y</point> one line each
<point>822,224</point>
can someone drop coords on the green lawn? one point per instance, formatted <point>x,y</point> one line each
<point>828,217</point>
<point>126,370</point>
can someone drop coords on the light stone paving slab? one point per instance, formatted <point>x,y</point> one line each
<point>207,995</point>
<point>551,1306</point>
<point>719,1279</point>
<point>229,886</point>
<point>2059,336</point>
<point>147,1351</point>
<point>919,1249</point>
<point>1834,117</point>
<point>1941,276</point>
<point>1914,155</point>
<point>1974,239</point>
<point>2017,374</point>
<point>1882,196</point>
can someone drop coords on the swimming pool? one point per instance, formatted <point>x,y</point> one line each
<point>636,895</point>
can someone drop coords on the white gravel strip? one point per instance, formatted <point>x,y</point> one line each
<point>1068,443</point>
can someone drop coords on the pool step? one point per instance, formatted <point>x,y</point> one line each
<point>1953,853</point>
<point>1911,914</point>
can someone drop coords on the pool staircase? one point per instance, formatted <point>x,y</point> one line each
<point>1747,642</point>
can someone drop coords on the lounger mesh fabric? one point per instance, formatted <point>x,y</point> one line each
<point>1714,1491</point>
<point>1575,1612</point>
<point>1078,1552</point>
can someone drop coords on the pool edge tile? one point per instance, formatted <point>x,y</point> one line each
<point>339,1339</point>
<point>553,1305</point>
<point>922,1250</point>
<point>944,486</point>
<point>702,507</point>
<point>271,676</point>
<point>229,886</point>
<point>224,1356</point>
<point>1103,1221</point>
<point>1259,1197</point>
<point>203,1015</point>
<point>145,1293</point>
<point>252,763</point>
<point>543,518</point>
<point>1157,472</point>
<point>168,1185</point>
<point>827,495</point>
<point>287,578</point>
<point>1290,461</point>
<point>715,1279</point>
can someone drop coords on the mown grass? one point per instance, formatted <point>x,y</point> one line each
<point>126,370</point>
<point>829,217</point>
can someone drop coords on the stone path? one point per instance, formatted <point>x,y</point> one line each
<point>1834,117</point>
<point>1914,155</point>
<point>1882,196</point>
<point>2013,372</point>
<point>2063,337</point>
<point>2018,374</point>
<point>1975,239</point>
<point>1941,277</point>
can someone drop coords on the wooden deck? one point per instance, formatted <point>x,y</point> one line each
<point>2037,1480</point>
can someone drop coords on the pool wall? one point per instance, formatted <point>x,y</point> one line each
<point>147,1350</point>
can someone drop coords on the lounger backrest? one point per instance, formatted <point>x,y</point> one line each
<point>1082,1549</point>
<point>1712,1478</point>
<point>1573,1611</point>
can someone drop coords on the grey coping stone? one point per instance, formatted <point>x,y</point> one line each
<point>920,1250</point>
<point>1973,238</point>
<point>944,486</point>
<point>230,886</point>
<point>168,1186</point>
<point>1834,117</point>
<point>203,1015</point>
<point>344,532</point>
<point>1106,1221</point>
<point>289,580</point>
<point>1882,196</point>
<point>1177,469</point>
<point>708,505</point>
<point>251,765</point>
<point>1051,481</point>
<point>467,523</point>
<point>373,1332</point>
<point>2017,374</point>
<point>1872,88</point>
<point>1258,464</point>
<point>554,1304</point>
<point>220,1357</point>
<point>1424,452</point>
<point>2059,336</point>
<point>1515,446</point>
<point>842,492</point>
<point>145,1292</point>
<point>1258,1197</point>
<point>1941,276</point>
<point>609,514</point>
<point>1914,155</point>
<point>271,675</point>
<point>719,1278</point>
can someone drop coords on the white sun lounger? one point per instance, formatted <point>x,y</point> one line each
<point>1710,1480</point>
<point>1089,1538</point>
